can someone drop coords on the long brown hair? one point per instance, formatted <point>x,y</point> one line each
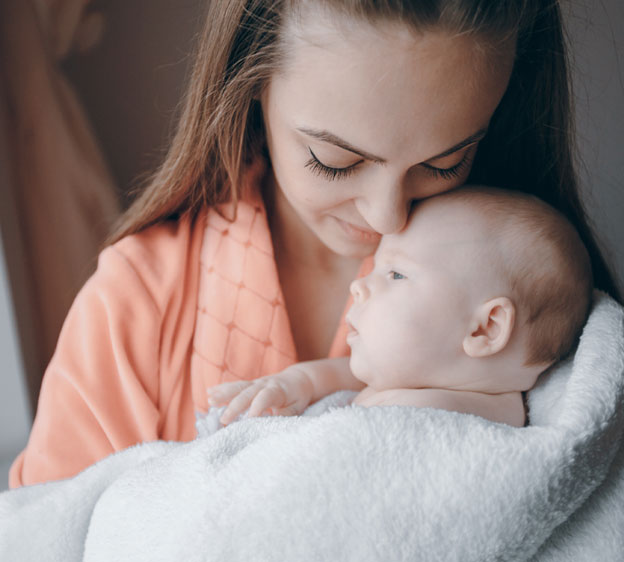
<point>529,146</point>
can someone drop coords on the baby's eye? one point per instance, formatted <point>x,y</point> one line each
<point>395,275</point>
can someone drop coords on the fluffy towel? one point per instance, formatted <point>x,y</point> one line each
<point>354,483</point>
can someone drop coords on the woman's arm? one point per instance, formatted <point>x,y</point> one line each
<point>106,387</point>
<point>93,399</point>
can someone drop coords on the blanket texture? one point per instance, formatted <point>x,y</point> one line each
<point>352,483</point>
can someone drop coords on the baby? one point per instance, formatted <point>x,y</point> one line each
<point>481,292</point>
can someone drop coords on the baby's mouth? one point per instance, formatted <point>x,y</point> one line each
<point>352,332</point>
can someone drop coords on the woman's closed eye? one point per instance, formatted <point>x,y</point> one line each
<point>330,173</point>
<point>448,173</point>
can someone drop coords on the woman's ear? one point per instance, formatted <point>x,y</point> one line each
<point>490,328</point>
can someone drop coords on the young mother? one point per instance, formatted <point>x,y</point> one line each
<point>310,127</point>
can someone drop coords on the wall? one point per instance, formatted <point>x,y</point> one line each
<point>14,409</point>
<point>596,31</point>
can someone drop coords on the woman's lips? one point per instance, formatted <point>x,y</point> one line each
<point>359,234</point>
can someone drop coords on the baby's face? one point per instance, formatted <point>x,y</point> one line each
<point>411,313</point>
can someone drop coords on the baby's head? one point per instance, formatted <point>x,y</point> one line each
<point>483,290</point>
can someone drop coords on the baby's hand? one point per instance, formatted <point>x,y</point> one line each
<point>287,393</point>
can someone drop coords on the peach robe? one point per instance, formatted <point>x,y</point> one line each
<point>170,311</point>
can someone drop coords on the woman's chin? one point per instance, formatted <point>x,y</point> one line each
<point>349,248</point>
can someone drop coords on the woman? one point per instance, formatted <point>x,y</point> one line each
<point>309,129</point>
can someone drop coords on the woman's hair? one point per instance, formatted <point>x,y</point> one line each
<point>529,146</point>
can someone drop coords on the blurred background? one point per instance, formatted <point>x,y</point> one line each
<point>88,96</point>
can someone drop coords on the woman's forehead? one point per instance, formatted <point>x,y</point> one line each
<point>424,92</point>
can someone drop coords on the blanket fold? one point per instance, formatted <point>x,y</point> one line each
<point>345,482</point>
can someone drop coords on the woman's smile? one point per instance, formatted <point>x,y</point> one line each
<point>359,234</point>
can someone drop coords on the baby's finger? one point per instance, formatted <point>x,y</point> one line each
<point>223,393</point>
<point>239,404</point>
<point>294,409</point>
<point>268,397</point>
<point>291,410</point>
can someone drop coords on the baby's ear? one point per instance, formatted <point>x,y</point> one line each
<point>490,328</point>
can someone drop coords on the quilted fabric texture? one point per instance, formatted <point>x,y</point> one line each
<point>242,328</point>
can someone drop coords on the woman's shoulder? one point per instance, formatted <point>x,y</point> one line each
<point>164,255</point>
<point>164,239</point>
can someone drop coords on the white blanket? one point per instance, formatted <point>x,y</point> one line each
<point>384,483</point>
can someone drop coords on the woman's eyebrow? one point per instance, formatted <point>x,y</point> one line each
<point>326,136</point>
<point>471,139</point>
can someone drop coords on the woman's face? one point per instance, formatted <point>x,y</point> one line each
<point>363,120</point>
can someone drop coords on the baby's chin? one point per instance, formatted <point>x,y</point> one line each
<point>357,369</point>
<point>354,364</point>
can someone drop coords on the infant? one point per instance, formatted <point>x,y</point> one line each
<point>481,292</point>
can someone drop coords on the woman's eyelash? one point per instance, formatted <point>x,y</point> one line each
<point>330,173</point>
<point>317,167</point>
<point>448,173</point>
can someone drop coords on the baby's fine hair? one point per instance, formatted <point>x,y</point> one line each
<point>544,263</point>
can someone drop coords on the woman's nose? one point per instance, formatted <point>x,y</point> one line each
<point>386,210</point>
<point>359,290</point>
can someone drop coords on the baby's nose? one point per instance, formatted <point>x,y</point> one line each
<point>359,290</point>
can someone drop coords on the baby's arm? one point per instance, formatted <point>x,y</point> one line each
<point>286,393</point>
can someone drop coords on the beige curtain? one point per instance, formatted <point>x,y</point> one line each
<point>59,199</point>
